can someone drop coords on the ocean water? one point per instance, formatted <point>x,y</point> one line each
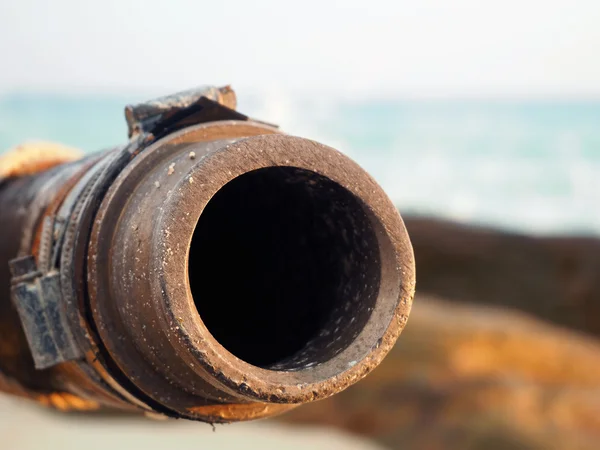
<point>530,166</point>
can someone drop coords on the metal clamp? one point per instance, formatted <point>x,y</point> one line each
<point>37,300</point>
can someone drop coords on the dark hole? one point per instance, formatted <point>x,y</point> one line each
<point>284,268</point>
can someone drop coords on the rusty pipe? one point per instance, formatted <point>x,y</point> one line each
<point>213,268</point>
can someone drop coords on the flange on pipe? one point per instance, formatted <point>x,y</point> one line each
<point>213,268</point>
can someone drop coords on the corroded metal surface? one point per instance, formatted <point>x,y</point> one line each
<point>213,269</point>
<point>145,116</point>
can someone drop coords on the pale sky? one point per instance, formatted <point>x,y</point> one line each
<point>415,47</point>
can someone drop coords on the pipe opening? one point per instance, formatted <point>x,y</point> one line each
<point>284,268</point>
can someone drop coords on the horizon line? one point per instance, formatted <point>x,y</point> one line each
<point>381,94</point>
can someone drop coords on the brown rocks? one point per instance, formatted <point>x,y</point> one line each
<point>554,278</point>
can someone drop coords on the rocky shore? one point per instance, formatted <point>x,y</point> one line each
<point>555,278</point>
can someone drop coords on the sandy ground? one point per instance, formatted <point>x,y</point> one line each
<point>24,425</point>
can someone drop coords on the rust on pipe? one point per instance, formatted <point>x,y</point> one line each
<point>213,269</point>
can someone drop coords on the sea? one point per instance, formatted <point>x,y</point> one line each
<point>527,166</point>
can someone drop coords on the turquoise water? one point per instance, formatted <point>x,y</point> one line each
<point>529,166</point>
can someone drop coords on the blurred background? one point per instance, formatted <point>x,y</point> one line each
<point>480,119</point>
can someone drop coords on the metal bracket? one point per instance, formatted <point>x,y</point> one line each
<point>166,114</point>
<point>37,300</point>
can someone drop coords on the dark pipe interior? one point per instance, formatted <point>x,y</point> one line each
<point>284,268</point>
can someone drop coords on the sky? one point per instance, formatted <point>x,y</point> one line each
<point>422,48</point>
